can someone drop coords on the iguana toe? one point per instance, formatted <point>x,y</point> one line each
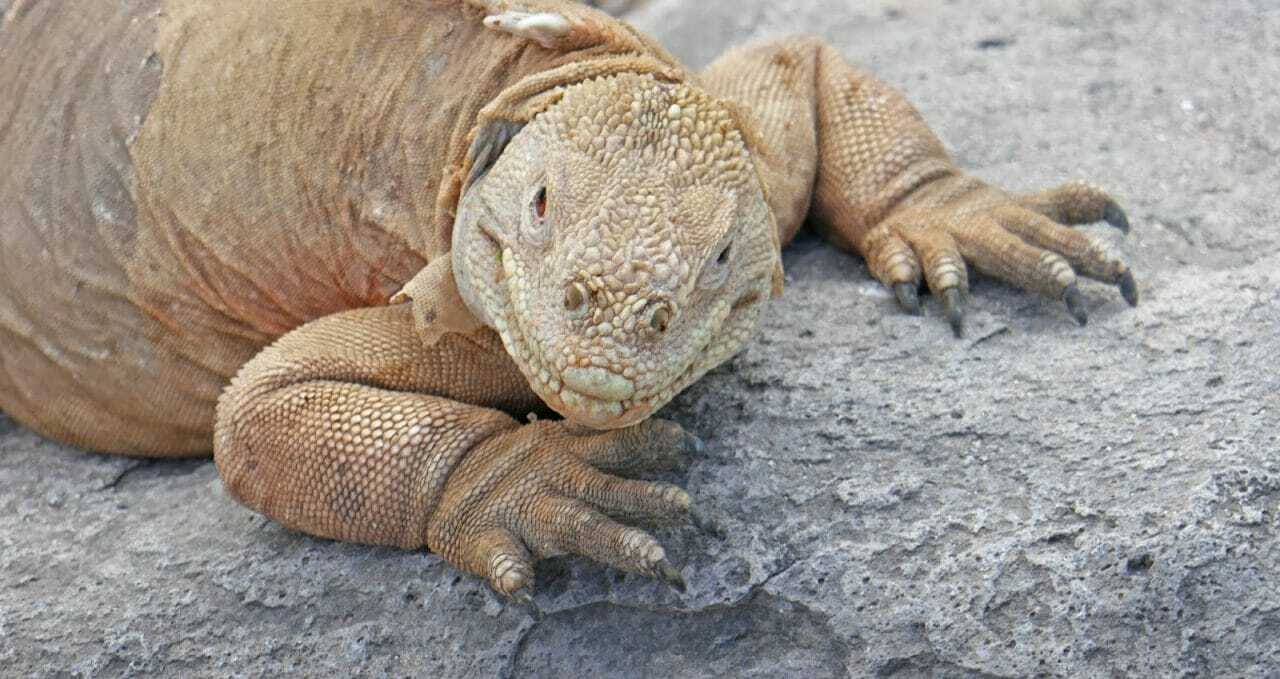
<point>540,491</point>
<point>1077,202</point>
<point>652,445</point>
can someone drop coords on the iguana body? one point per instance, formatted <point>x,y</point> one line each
<point>569,217</point>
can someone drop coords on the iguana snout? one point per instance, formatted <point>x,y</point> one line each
<point>621,246</point>
<point>599,383</point>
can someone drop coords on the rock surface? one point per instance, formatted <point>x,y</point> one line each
<point>1037,499</point>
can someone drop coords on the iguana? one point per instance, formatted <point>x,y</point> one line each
<point>349,245</point>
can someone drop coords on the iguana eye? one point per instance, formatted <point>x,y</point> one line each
<point>540,203</point>
<point>536,228</point>
<point>723,257</point>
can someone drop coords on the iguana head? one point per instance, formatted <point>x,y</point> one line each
<point>621,245</point>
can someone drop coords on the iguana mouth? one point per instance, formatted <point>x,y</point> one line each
<point>549,384</point>
<point>724,333</point>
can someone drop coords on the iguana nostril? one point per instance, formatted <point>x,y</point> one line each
<point>660,320</point>
<point>575,297</point>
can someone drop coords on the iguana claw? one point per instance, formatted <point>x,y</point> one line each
<point>953,308</point>
<point>908,295</point>
<point>524,599</point>
<point>668,574</point>
<point>1129,288</point>
<point>1114,215</point>
<point>694,445</point>
<point>1075,304</point>
<point>705,524</point>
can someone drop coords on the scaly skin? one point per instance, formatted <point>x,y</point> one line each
<point>399,262</point>
<point>615,294</point>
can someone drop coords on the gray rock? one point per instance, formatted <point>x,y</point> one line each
<point>1038,499</point>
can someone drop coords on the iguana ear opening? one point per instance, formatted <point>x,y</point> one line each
<point>490,142</point>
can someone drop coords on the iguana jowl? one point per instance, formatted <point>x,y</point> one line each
<point>403,225</point>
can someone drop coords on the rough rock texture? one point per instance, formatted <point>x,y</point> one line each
<point>1035,499</point>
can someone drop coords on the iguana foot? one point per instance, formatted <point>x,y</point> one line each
<point>548,489</point>
<point>884,186</point>
<point>957,221</point>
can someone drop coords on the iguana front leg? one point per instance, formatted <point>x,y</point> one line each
<point>883,185</point>
<point>350,428</point>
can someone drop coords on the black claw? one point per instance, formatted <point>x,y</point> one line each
<point>953,307</point>
<point>693,444</point>
<point>1075,304</point>
<point>1129,288</point>
<point>668,574</point>
<point>1114,215</point>
<point>524,598</point>
<point>704,524</point>
<point>908,297</point>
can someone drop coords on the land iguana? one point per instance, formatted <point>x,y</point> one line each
<point>349,245</point>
